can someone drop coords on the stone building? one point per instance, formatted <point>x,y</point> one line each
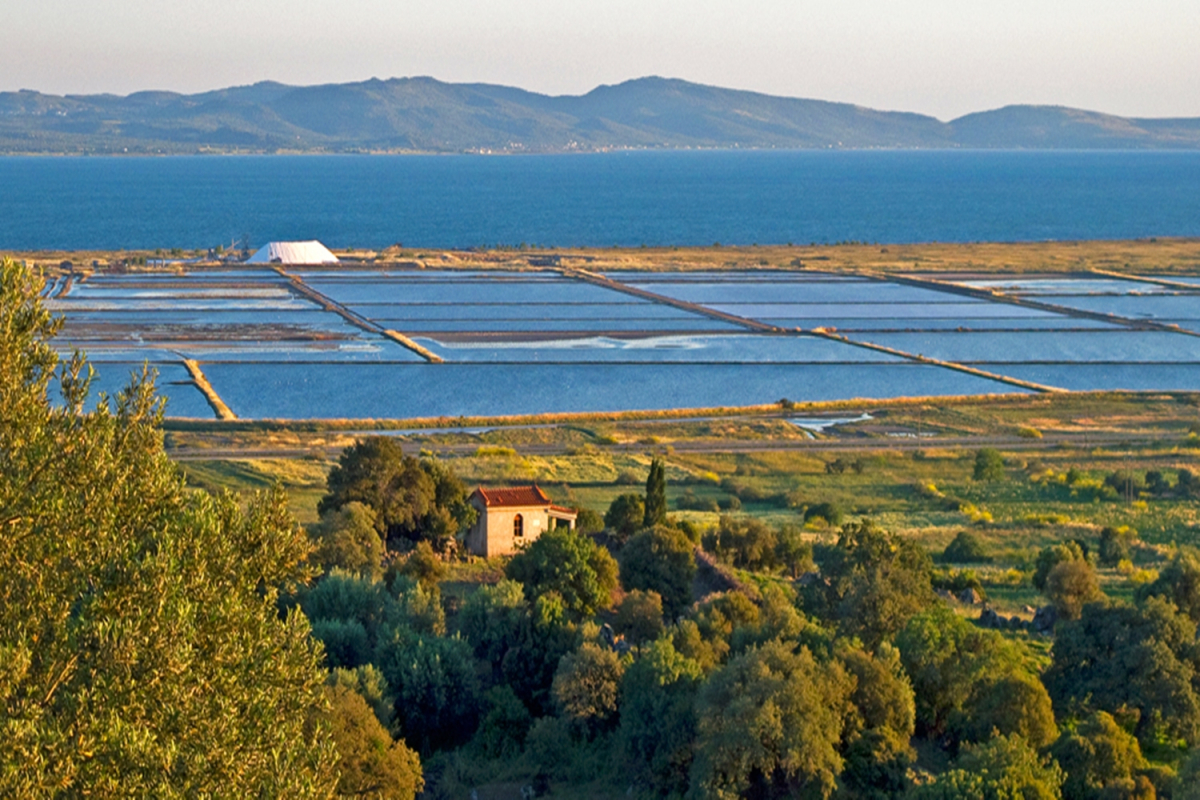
<point>512,517</point>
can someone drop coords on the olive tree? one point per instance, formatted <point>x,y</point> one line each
<point>142,651</point>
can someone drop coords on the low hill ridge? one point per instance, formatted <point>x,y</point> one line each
<point>427,115</point>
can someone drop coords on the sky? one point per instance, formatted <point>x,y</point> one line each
<point>940,57</point>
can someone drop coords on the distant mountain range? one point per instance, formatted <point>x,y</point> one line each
<point>426,115</point>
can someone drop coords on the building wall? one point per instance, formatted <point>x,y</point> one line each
<point>492,534</point>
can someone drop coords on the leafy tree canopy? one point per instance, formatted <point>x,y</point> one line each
<point>1097,755</point>
<point>1003,768</point>
<point>347,539</point>
<point>1120,658</point>
<point>1050,557</point>
<point>793,551</point>
<point>412,499</point>
<point>744,542</point>
<point>880,724</point>
<point>658,723</point>
<point>563,561</point>
<point>587,684</point>
<point>141,648</point>
<point>639,617</point>
<point>953,666</point>
<point>1071,585</point>
<point>625,515</point>
<point>1179,582</point>
<point>1115,544</point>
<point>660,559</point>
<point>876,582</point>
<point>370,763</point>
<point>436,685</point>
<point>770,722</point>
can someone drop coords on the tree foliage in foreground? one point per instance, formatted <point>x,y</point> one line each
<point>141,651</point>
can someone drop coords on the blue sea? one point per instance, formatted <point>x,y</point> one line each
<point>597,200</point>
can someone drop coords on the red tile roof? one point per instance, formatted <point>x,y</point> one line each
<point>514,496</point>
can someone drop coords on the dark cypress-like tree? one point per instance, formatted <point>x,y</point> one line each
<point>656,495</point>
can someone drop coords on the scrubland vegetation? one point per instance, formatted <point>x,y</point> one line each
<point>1162,255</point>
<point>768,623</point>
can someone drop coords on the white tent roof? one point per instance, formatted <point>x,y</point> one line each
<point>293,253</point>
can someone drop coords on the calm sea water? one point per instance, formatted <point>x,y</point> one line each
<point>653,198</point>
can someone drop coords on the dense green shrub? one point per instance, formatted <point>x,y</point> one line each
<point>989,465</point>
<point>744,542</point>
<point>639,617</point>
<point>625,515</point>
<point>569,564</point>
<point>830,512</point>
<point>660,559</point>
<point>968,547</point>
<point>347,539</point>
<point>876,582</point>
<point>1130,659</point>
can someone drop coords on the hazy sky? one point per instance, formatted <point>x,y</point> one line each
<point>940,57</point>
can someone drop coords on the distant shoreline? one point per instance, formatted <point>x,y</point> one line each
<point>603,151</point>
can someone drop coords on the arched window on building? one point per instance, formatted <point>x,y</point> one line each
<point>518,526</point>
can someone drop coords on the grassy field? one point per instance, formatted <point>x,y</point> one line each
<point>760,464</point>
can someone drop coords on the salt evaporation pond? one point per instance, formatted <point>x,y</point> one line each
<point>1108,346</point>
<point>1053,322</point>
<point>561,325</point>
<point>1184,306</point>
<point>1096,377</point>
<point>768,291</point>
<point>1059,286</point>
<point>282,391</point>
<point>521,311</point>
<point>483,290</point>
<point>731,349</point>
<point>540,342</point>
<point>866,310</point>
<point>173,382</point>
